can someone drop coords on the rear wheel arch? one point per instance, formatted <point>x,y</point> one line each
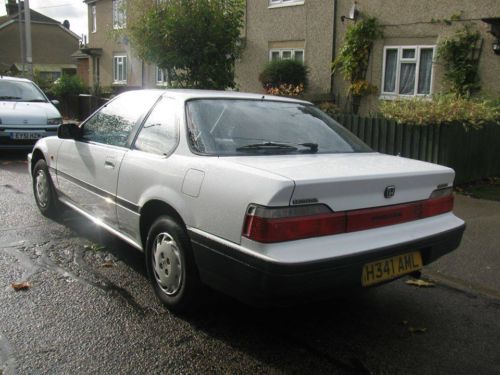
<point>152,210</point>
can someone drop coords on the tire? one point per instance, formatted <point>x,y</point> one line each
<point>43,190</point>
<point>171,266</point>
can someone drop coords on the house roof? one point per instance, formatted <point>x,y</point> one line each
<point>36,17</point>
<point>46,67</point>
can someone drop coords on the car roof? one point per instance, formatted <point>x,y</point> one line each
<point>8,78</point>
<point>189,94</point>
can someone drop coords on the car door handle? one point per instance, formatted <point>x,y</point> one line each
<point>109,164</point>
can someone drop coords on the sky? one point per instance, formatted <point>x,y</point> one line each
<point>75,11</point>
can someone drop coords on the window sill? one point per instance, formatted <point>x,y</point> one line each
<point>404,97</point>
<point>119,83</point>
<point>285,5</point>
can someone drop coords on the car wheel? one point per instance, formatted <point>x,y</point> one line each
<point>43,189</point>
<point>170,264</point>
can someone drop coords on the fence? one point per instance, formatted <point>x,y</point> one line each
<point>80,107</point>
<point>473,154</point>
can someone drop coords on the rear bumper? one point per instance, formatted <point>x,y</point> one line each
<point>261,282</point>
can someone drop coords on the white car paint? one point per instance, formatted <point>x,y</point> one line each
<point>211,194</point>
<point>19,115</point>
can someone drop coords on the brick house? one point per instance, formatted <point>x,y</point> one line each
<point>403,63</point>
<point>112,62</point>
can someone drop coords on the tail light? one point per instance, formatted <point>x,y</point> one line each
<point>264,224</point>
<point>268,224</point>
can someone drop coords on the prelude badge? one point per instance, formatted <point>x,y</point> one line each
<point>389,191</point>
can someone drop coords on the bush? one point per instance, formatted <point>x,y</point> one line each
<point>442,109</point>
<point>284,72</point>
<point>460,57</point>
<point>68,86</point>
<point>285,89</point>
<point>330,108</point>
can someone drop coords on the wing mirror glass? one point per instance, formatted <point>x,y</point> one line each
<point>69,131</point>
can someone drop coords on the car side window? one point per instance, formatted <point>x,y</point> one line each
<point>113,124</point>
<point>159,133</point>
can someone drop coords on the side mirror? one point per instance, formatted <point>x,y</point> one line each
<point>69,131</point>
<point>55,102</point>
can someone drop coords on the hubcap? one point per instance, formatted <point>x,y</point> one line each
<point>167,265</point>
<point>42,188</point>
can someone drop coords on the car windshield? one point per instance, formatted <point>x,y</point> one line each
<point>20,91</point>
<point>253,127</point>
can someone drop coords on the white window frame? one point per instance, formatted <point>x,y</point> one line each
<point>94,18</point>
<point>284,3</point>
<point>394,95</point>
<point>292,50</point>
<point>119,14</point>
<point>164,77</point>
<point>120,59</point>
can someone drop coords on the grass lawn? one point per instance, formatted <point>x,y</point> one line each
<point>485,189</point>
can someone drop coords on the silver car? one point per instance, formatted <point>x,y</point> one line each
<point>265,198</point>
<point>26,114</point>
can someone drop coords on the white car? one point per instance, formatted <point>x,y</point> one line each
<point>26,114</point>
<point>265,198</point>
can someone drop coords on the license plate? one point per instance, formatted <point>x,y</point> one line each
<point>26,135</point>
<point>390,268</point>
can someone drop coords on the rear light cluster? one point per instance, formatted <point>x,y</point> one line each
<point>267,225</point>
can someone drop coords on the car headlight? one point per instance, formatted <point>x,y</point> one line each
<point>54,121</point>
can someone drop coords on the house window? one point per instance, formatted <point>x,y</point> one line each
<point>119,14</point>
<point>50,76</point>
<point>120,69</point>
<point>282,3</point>
<point>94,18</point>
<point>161,77</point>
<point>407,70</point>
<point>286,54</point>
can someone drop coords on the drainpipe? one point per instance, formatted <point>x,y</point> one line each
<point>334,42</point>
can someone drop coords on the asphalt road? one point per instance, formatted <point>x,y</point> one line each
<point>89,310</point>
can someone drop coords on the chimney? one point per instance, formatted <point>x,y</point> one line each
<point>11,7</point>
<point>66,24</point>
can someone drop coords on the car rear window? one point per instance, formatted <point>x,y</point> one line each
<point>244,127</point>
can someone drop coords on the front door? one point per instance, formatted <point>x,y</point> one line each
<point>87,169</point>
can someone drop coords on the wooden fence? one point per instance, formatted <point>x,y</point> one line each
<point>473,153</point>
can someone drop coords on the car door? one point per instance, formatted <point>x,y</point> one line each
<point>87,169</point>
<point>150,164</point>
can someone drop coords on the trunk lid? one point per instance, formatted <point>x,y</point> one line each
<point>354,181</point>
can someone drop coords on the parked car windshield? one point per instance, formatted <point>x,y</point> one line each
<point>20,91</point>
<point>244,126</point>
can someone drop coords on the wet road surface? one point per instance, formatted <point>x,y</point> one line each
<point>89,309</point>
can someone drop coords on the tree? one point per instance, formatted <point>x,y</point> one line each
<point>195,41</point>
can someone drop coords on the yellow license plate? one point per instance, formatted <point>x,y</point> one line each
<point>390,268</point>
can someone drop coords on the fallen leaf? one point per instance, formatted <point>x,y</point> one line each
<point>23,285</point>
<point>417,329</point>
<point>420,283</point>
<point>108,264</point>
